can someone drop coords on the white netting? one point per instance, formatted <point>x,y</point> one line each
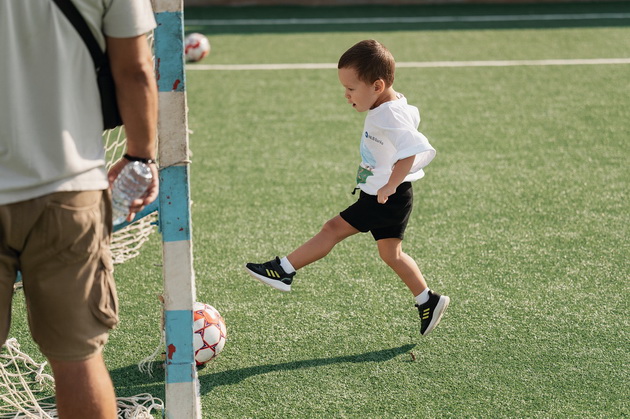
<point>141,406</point>
<point>26,390</point>
<point>24,387</point>
<point>146,365</point>
<point>126,243</point>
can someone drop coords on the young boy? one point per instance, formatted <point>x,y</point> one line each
<point>393,154</point>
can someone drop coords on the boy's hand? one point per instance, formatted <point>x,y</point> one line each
<point>383,194</point>
<point>399,172</point>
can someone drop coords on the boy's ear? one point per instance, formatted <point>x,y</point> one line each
<point>379,86</point>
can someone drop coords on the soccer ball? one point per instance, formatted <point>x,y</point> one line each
<point>209,333</point>
<point>196,47</point>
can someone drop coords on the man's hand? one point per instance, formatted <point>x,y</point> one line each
<point>150,195</point>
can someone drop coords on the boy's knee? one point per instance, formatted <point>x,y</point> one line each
<point>390,252</point>
<point>329,225</point>
<point>337,229</point>
<point>389,256</point>
<point>332,227</point>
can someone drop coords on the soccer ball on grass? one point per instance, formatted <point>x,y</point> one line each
<point>196,47</point>
<point>209,333</point>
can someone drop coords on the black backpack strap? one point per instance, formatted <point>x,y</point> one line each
<point>72,13</point>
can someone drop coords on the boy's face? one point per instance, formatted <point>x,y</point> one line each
<point>360,94</point>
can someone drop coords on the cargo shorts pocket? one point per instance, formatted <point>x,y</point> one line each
<point>103,298</point>
<point>73,225</point>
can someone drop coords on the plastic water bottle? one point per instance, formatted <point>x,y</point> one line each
<point>132,183</point>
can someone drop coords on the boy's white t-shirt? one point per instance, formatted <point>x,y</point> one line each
<point>390,134</point>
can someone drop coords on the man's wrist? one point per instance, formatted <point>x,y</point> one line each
<point>140,159</point>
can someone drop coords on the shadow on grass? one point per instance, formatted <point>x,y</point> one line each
<point>210,381</point>
<point>130,381</point>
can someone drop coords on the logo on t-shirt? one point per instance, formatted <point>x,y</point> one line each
<point>373,138</point>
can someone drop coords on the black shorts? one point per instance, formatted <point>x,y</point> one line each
<point>384,221</point>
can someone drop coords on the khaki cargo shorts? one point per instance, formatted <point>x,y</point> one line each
<point>60,243</point>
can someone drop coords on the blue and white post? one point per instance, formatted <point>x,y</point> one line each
<point>182,386</point>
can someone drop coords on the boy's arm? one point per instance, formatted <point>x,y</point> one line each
<point>400,171</point>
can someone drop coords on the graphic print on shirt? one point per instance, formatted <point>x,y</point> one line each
<point>368,162</point>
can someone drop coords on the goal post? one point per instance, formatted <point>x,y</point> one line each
<point>182,386</point>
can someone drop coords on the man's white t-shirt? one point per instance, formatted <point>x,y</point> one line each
<point>50,112</point>
<point>390,134</point>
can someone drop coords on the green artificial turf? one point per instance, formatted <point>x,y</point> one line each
<point>521,219</point>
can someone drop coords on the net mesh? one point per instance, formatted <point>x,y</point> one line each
<point>24,387</point>
<point>26,390</point>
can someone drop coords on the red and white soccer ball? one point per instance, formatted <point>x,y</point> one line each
<point>209,332</point>
<point>196,47</point>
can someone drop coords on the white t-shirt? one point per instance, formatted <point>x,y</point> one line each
<point>50,112</point>
<point>390,134</point>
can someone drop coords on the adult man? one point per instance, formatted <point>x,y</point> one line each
<point>55,206</point>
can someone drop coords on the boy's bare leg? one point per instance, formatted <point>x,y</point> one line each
<point>434,304</point>
<point>334,231</point>
<point>390,250</point>
<point>84,389</point>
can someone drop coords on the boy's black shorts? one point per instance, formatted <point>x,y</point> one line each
<point>384,221</point>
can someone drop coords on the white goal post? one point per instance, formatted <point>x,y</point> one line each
<point>182,385</point>
<point>173,208</point>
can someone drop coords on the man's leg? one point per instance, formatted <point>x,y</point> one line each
<point>84,389</point>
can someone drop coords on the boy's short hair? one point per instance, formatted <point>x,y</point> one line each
<point>371,60</point>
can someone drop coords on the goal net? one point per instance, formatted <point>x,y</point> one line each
<point>24,386</point>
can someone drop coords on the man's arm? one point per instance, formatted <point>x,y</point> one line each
<point>136,91</point>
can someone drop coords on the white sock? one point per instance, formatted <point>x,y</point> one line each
<point>423,297</point>
<point>286,265</point>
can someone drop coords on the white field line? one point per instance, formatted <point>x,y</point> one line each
<point>417,64</point>
<point>412,19</point>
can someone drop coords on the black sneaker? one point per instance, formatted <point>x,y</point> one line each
<point>431,312</point>
<point>271,273</point>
